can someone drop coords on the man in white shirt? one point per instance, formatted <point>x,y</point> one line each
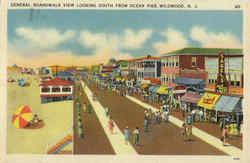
<point>193,115</point>
<point>201,116</point>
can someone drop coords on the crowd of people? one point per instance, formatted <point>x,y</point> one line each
<point>168,105</point>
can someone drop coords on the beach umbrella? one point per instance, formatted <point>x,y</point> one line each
<point>22,116</point>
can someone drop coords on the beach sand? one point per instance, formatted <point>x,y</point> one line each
<point>57,116</point>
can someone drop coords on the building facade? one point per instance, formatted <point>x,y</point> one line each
<point>202,64</point>
<point>148,67</point>
<point>56,90</point>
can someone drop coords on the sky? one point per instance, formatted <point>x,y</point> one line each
<point>86,37</point>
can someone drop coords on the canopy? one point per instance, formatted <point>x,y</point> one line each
<point>138,84</point>
<point>143,86</point>
<point>22,116</point>
<point>118,79</point>
<point>228,104</point>
<point>189,81</point>
<point>103,75</point>
<point>155,88</point>
<point>191,97</point>
<point>162,90</point>
<point>152,87</point>
<point>208,100</point>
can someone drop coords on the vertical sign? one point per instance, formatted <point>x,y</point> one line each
<point>221,82</point>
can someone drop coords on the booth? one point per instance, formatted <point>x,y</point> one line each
<point>208,101</point>
<point>190,99</point>
<point>230,106</point>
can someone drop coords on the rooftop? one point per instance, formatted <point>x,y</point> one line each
<point>148,57</point>
<point>56,82</point>
<point>205,51</point>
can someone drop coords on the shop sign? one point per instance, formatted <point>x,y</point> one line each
<point>221,83</point>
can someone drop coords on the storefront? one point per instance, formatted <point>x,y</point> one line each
<point>152,92</point>
<point>230,108</point>
<point>163,92</point>
<point>208,101</point>
<point>190,100</point>
<point>191,82</point>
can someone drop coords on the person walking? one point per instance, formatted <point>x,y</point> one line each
<point>201,116</point>
<point>184,131</point>
<point>84,107</point>
<point>111,125</point>
<point>89,108</point>
<point>126,135</point>
<point>145,124</point>
<point>159,117</point>
<point>189,125</point>
<point>224,135</point>
<point>193,115</point>
<point>136,136</point>
<point>156,117</point>
<point>107,111</point>
<point>183,112</point>
<point>166,115</point>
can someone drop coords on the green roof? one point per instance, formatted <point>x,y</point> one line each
<point>206,51</point>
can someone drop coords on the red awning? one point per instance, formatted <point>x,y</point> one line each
<point>55,95</point>
<point>56,82</point>
<point>191,97</point>
<point>153,80</point>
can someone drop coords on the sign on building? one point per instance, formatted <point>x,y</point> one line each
<point>221,82</point>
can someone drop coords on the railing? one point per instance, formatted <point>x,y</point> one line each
<point>59,140</point>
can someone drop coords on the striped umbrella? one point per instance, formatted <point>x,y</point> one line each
<point>22,116</point>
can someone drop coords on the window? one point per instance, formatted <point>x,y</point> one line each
<point>56,89</point>
<point>66,89</point>
<point>45,89</point>
<point>237,83</point>
<point>194,61</point>
<point>176,64</point>
<point>173,64</point>
<point>232,83</point>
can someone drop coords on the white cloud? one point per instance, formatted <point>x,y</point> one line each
<point>174,40</point>
<point>106,46</point>
<point>214,40</point>
<point>44,38</point>
<point>133,40</point>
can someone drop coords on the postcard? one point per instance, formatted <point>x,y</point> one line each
<point>124,81</point>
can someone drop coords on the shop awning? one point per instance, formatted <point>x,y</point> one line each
<point>162,90</point>
<point>191,97</point>
<point>153,88</point>
<point>208,100</point>
<point>138,84</point>
<point>228,104</point>
<point>143,86</point>
<point>103,75</point>
<point>189,81</point>
<point>118,79</point>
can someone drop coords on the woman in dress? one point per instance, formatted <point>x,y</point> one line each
<point>126,134</point>
<point>111,125</point>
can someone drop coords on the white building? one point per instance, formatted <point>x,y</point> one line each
<point>148,67</point>
<point>56,90</point>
